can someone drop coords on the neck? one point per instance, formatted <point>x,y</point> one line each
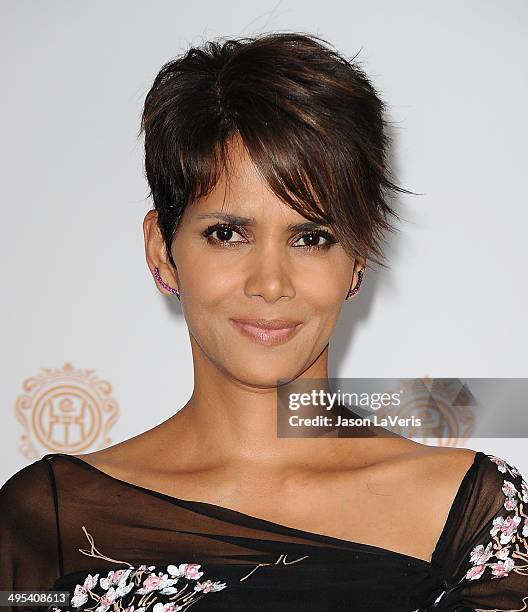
<point>230,423</point>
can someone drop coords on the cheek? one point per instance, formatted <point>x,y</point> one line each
<point>204,275</point>
<point>325,284</point>
<point>326,292</point>
<point>323,295</point>
<point>209,297</point>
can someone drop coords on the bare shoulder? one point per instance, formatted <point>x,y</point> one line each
<point>421,461</point>
<point>438,473</point>
<point>137,456</point>
<point>119,460</point>
<point>443,467</point>
<point>448,464</point>
<point>449,454</point>
<point>424,483</point>
<point>425,478</point>
<point>415,475</point>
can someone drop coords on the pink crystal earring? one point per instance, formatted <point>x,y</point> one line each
<point>164,285</point>
<point>356,288</point>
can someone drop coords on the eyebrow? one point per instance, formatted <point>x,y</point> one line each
<point>245,221</point>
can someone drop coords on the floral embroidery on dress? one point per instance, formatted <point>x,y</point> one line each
<point>144,588</point>
<point>147,590</point>
<point>508,531</point>
<point>140,589</point>
<point>507,550</point>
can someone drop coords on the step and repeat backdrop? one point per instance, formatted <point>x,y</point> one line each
<point>93,353</point>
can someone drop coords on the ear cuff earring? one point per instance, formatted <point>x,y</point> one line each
<point>356,288</point>
<point>164,285</point>
<point>177,293</point>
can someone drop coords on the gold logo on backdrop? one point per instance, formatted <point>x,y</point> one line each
<point>65,410</point>
<point>445,406</point>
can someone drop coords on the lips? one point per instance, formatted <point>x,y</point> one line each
<point>268,323</point>
<point>267,331</point>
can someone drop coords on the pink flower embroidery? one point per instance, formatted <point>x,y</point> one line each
<point>502,568</point>
<point>80,595</point>
<point>115,578</point>
<point>501,464</point>
<point>186,570</point>
<point>169,607</point>
<point>480,555</point>
<point>475,572</point>
<point>143,581</point>
<point>148,591</point>
<point>504,526</point>
<point>107,600</point>
<point>155,582</point>
<point>507,527</point>
<point>208,587</point>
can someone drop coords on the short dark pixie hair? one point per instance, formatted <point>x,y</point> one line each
<point>310,120</point>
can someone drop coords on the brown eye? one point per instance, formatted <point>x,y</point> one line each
<point>224,234</point>
<point>314,240</point>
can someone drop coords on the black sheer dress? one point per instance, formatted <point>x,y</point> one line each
<point>115,546</point>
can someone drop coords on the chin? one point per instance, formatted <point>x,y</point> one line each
<point>262,374</point>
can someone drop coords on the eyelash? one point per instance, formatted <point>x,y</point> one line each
<point>217,226</point>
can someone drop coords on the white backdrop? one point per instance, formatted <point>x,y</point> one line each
<point>78,300</point>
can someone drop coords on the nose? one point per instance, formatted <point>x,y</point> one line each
<point>269,275</point>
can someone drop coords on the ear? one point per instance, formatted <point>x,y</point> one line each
<point>359,266</point>
<point>156,252</point>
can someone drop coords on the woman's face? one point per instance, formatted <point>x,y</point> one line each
<point>230,271</point>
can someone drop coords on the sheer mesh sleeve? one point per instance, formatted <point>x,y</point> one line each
<point>29,557</point>
<point>488,553</point>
